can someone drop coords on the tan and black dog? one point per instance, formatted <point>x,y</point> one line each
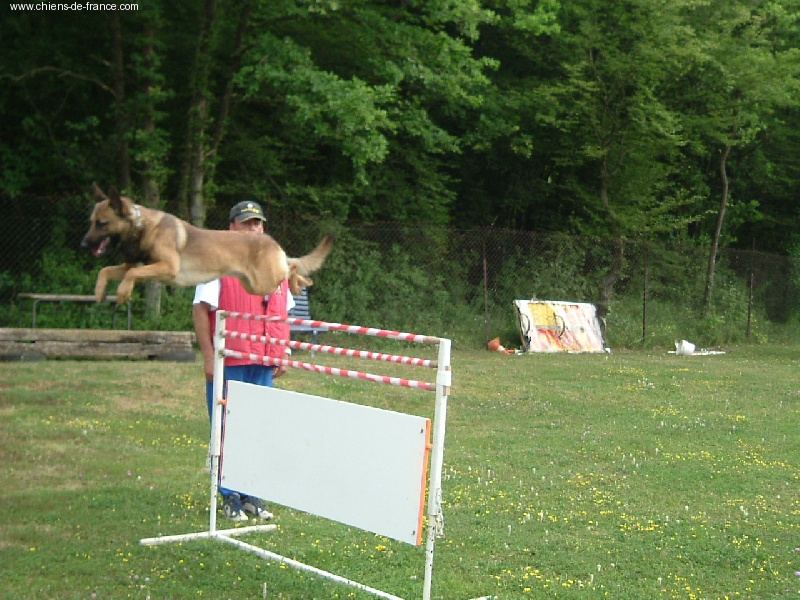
<point>159,246</point>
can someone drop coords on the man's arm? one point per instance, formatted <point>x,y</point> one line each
<point>202,329</point>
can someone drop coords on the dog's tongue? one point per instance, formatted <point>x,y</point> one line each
<point>101,248</point>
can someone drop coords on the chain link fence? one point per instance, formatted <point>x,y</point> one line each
<point>434,279</point>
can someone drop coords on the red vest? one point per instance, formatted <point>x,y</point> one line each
<point>233,297</point>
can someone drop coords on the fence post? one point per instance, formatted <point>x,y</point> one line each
<point>485,294</point>
<point>645,292</point>
<point>752,291</point>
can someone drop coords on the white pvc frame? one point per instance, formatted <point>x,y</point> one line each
<point>435,518</point>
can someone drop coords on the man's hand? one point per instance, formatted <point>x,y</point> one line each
<point>281,369</point>
<point>208,367</point>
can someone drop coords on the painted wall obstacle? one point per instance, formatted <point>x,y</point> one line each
<point>554,326</point>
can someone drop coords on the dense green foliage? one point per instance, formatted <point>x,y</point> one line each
<point>609,118</point>
<point>636,120</point>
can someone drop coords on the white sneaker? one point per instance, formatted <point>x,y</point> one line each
<point>256,507</point>
<point>233,508</point>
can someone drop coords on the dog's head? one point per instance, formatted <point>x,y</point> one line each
<point>112,219</point>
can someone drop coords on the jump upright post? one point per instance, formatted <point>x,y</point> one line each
<point>431,478</point>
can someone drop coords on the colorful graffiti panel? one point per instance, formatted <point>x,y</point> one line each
<point>554,326</point>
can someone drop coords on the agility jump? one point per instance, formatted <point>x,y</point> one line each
<point>416,437</point>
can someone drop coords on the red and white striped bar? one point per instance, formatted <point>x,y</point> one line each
<point>378,356</point>
<point>410,383</point>
<point>384,333</point>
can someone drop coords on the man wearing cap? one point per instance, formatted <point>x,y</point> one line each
<point>228,294</point>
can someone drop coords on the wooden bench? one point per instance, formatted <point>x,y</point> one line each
<point>73,298</point>
<point>302,310</point>
<point>36,344</point>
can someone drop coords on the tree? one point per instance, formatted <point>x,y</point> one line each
<point>361,105</point>
<point>735,50</point>
<point>615,139</point>
<point>586,116</point>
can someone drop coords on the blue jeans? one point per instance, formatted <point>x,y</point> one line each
<point>256,374</point>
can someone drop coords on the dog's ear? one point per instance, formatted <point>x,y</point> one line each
<point>115,201</point>
<point>98,193</point>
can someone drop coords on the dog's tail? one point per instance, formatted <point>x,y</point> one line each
<point>305,265</point>
<point>298,267</point>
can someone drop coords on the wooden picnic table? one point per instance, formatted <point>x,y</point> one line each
<point>73,298</point>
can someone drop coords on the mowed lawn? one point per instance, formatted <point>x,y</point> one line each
<point>623,475</point>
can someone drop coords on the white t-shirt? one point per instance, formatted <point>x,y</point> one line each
<point>209,293</point>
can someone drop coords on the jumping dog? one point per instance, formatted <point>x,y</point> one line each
<point>159,246</point>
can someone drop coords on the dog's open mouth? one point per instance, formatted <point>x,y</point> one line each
<point>100,248</point>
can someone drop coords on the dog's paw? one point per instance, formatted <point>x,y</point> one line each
<point>124,292</point>
<point>296,284</point>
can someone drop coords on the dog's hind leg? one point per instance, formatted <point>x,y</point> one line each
<point>107,274</point>
<point>297,281</point>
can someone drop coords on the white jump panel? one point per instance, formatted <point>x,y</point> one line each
<point>359,465</point>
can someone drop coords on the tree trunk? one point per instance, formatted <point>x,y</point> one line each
<point>203,146</point>
<point>153,161</point>
<point>608,280</point>
<point>150,179</point>
<point>227,95</point>
<point>118,75</point>
<point>197,169</point>
<point>712,256</point>
<point>193,170</point>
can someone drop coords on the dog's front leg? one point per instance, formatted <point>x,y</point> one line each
<point>160,271</point>
<point>107,274</point>
<point>125,290</point>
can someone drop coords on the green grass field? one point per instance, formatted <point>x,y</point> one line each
<point>629,475</point>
